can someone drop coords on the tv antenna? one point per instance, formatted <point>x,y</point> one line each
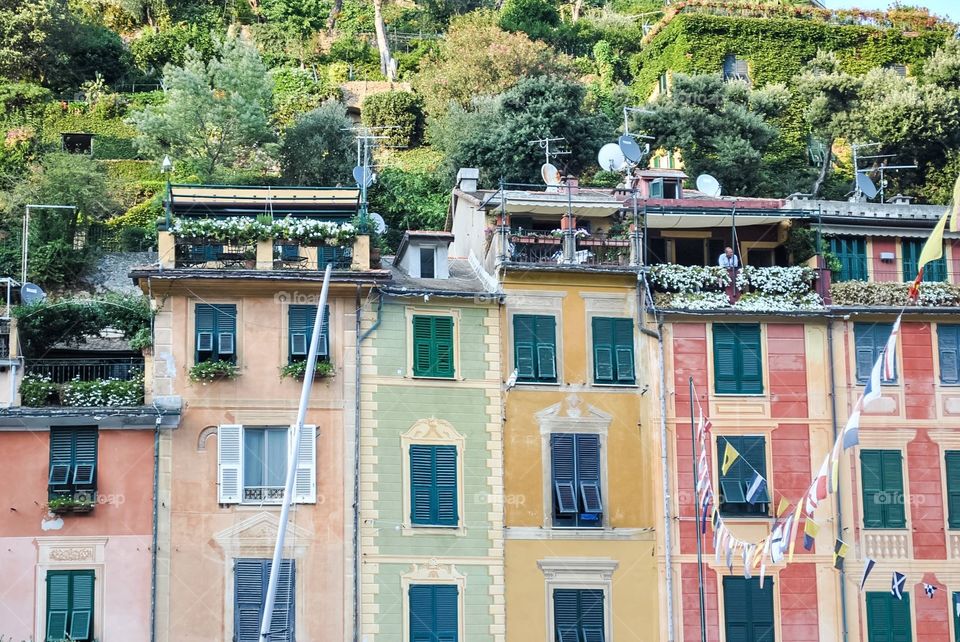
<point>552,147</point>
<point>863,185</point>
<point>363,174</point>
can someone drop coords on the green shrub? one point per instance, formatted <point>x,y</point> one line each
<point>57,264</point>
<point>22,98</point>
<point>296,91</point>
<point>103,393</point>
<point>142,340</point>
<point>298,370</point>
<point>400,111</point>
<point>208,371</point>
<point>156,48</point>
<point>37,391</point>
<point>537,18</point>
<point>135,239</point>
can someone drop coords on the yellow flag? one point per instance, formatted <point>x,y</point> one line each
<point>783,506</point>
<point>793,531</point>
<point>730,455</point>
<point>933,248</point>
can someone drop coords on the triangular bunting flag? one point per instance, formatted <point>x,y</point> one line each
<point>929,589</point>
<point>756,488</point>
<point>810,530</point>
<point>839,552</point>
<point>793,530</point>
<point>783,506</point>
<point>776,544</point>
<point>896,588</point>
<point>851,433</point>
<point>867,568</point>
<point>730,455</point>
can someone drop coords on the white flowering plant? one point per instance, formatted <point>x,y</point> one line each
<point>578,233</point>
<point>246,230</point>
<point>893,294</point>
<point>38,390</point>
<point>208,371</point>
<point>103,393</point>
<point>670,277</point>
<point>794,280</point>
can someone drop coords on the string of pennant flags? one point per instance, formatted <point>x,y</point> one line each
<point>780,543</point>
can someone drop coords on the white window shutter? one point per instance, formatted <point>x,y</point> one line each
<point>305,484</point>
<point>229,463</point>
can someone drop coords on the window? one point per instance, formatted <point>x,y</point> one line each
<point>882,480</point>
<point>852,254</point>
<point>300,320</point>
<point>535,348</point>
<point>433,347</point>
<point>216,337</point>
<point>948,342</point>
<point>427,259</point>
<point>748,609</point>
<point>433,613</point>
<point>70,605</point>
<point>613,351</point>
<point>870,340</point>
<point>737,358</point>
<point>734,485</point>
<point>575,464</point>
<point>433,485</point>
<point>735,68</point>
<point>251,578</point>
<point>656,188</point>
<point>952,460</point>
<point>932,271</point>
<point>252,464</point>
<point>578,615</point>
<point>73,461</point>
<point>888,619</point>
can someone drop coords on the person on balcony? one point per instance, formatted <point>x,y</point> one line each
<point>728,259</point>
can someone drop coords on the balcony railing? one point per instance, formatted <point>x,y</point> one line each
<point>271,254</point>
<point>601,250</point>
<point>525,248</point>
<point>64,370</point>
<point>594,250</point>
<point>4,338</point>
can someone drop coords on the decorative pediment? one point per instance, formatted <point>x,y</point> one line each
<point>432,430</point>
<point>433,570</point>
<point>260,531</point>
<point>578,568</point>
<point>570,415</point>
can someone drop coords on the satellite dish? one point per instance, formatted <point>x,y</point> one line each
<point>363,176</point>
<point>611,158</point>
<point>631,150</point>
<point>550,174</point>
<point>865,185</point>
<point>30,293</point>
<point>378,223</point>
<point>708,185</point>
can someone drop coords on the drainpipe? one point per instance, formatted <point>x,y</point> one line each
<point>356,463</point>
<point>664,463</point>
<point>833,419</point>
<point>153,545</point>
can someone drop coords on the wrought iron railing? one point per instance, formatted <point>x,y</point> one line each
<point>263,494</point>
<point>64,370</point>
<point>210,255</point>
<point>601,250</point>
<point>4,338</point>
<point>535,249</point>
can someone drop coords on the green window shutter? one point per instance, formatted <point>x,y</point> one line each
<point>871,480</point>
<point>205,326</point>
<point>956,616</point>
<point>952,461</point>
<point>948,343</point>
<point>535,347</point>
<point>751,357</point>
<point>888,619</point>
<point>725,374</point>
<point>300,320</point>
<point>623,342</point>
<point>247,599</point>
<point>588,474</point>
<point>226,337</point>
<point>564,474</point>
<point>892,471</point>
<point>603,350</point>
<point>58,604</point>
<point>61,458</point>
<point>566,616</point>
<point>85,468</point>
<point>736,609</point>
<point>446,485</point>
<point>422,619</point>
<point>591,615</point>
<point>81,617</point>
<point>933,271</point>
<point>852,254</point>
<point>445,608</point>
<point>546,336</point>
<point>761,609</point>
<point>869,342</point>
<point>422,475</point>
<point>216,332</point>
<point>734,485</point>
<point>443,340</point>
<point>422,344</point>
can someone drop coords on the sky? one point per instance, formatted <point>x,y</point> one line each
<point>948,8</point>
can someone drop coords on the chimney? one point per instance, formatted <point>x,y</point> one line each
<point>467,179</point>
<point>900,199</point>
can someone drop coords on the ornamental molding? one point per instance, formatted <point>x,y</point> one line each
<point>433,430</point>
<point>53,551</point>
<point>570,415</point>
<point>258,533</point>
<point>583,568</point>
<point>433,570</point>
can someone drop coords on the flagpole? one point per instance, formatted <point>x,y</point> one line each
<point>696,503</point>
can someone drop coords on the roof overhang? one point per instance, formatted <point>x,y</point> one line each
<point>833,229</point>
<point>696,219</point>
<point>240,200</point>
<point>581,203</point>
<point>164,417</point>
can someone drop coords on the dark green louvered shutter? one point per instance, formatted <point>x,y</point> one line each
<point>248,599</point>
<point>433,346</point>
<point>58,604</point>
<point>546,328</point>
<point>61,458</point>
<point>524,348</point>
<point>751,358</point>
<point>421,613</point>
<point>603,350</point>
<point>888,619</point>
<point>566,615</point>
<point>81,616</point>
<point>422,342</point>
<point>443,342</point>
<point>588,474</point>
<point>761,609</point>
<point>85,467</point>
<point>300,320</point>
<point>563,467</point>
<point>205,326</point>
<point>900,619</point>
<point>433,613</point>
<point>623,350</point>
<point>736,605</point>
<point>422,474</point>
<point>933,271</point>
<point>865,340</point>
<point>948,343</point>
<point>446,485</point>
<point>892,471</point>
<point>952,460</point>
<point>725,376</point>
<point>754,456</point>
<point>226,339</point>
<point>871,479</point>
<point>216,332</point>
<point>282,625</point>
<point>445,607</point>
<point>591,615</point>
<point>852,254</point>
<point>954,600</point>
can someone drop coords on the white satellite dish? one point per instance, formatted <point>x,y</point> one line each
<point>550,174</point>
<point>30,293</point>
<point>708,185</point>
<point>631,150</point>
<point>865,185</point>
<point>363,176</point>
<point>378,223</point>
<point>611,158</point>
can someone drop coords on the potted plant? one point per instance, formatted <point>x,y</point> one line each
<point>209,371</point>
<point>298,370</point>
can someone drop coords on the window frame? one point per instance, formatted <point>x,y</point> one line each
<point>434,520</point>
<point>615,346</point>
<point>265,470</point>
<point>578,573</point>
<point>738,346</point>
<point>759,510</point>
<point>434,629</point>
<point>454,317</point>
<point>886,505</point>
<point>431,432</point>
<point>943,337</point>
<point>536,343</point>
<point>71,484</point>
<point>752,585</point>
<point>580,630</point>
<point>231,464</point>
<point>557,521</point>
<point>265,565</point>
<point>71,574</point>
<point>324,348</point>
<point>891,603</point>
<point>877,346</point>
<point>218,310</point>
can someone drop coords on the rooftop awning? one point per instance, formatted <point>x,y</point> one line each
<point>239,200</point>
<point>583,203</point>
<point>696,219</point>
<point>880,230</point>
